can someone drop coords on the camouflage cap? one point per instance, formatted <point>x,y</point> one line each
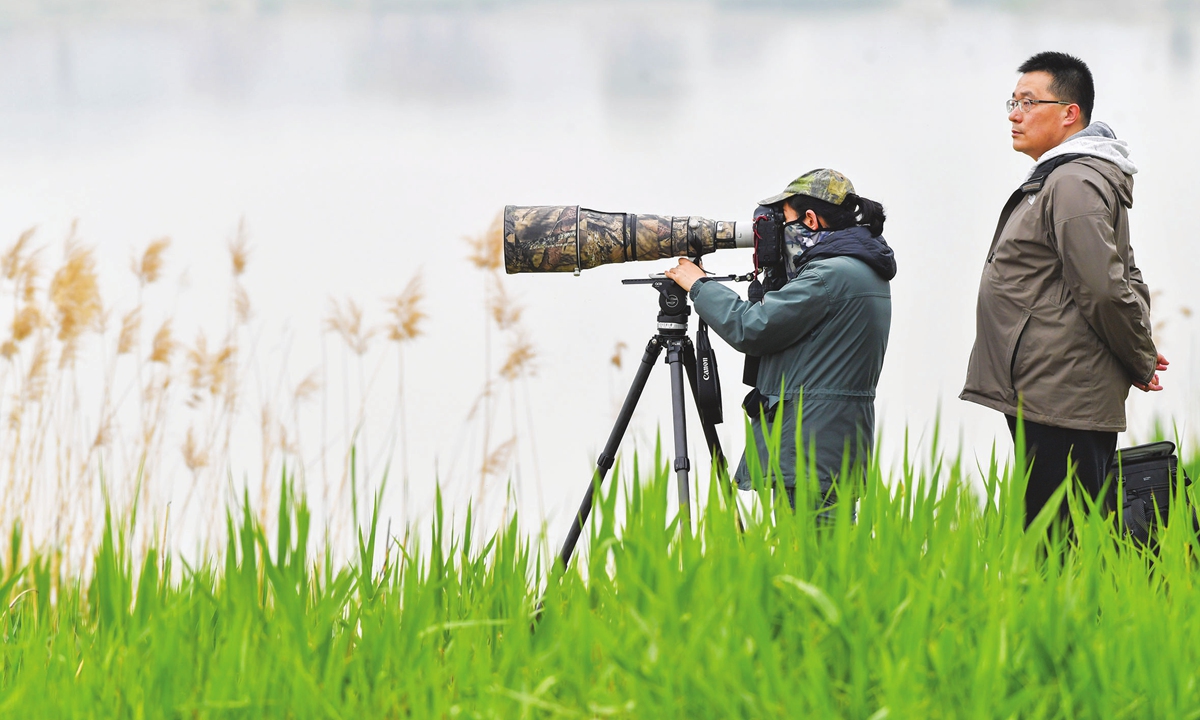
<point>822,184</point>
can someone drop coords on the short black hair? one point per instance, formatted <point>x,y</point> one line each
<point>1072,79</point>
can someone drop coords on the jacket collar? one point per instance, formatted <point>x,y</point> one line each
<point>855,242</point>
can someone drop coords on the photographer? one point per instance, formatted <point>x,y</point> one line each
<point>821,337</point>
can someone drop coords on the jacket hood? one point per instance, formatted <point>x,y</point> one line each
<point>1096,140</point>
<point>855,242</point>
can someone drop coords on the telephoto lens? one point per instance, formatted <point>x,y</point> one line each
<point>568,238</point>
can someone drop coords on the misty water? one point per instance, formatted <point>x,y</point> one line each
<point>360,149</point>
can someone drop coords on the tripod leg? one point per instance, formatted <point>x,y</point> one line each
<point>682,463</point>
<point>609,454</point>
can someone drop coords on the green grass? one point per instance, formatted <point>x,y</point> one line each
<point>936,603</point>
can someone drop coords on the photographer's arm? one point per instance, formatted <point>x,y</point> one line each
<point>783,318</point>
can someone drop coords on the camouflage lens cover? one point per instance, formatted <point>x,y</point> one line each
<point>565,238</point>
<point>541,238</point>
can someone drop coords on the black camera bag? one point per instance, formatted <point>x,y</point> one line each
<point>1148,476</point>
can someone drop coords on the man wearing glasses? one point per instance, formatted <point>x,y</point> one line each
<point>1063,317</point>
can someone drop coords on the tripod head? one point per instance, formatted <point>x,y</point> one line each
<point>673,308</point>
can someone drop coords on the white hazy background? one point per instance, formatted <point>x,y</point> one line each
<point>360,146</point>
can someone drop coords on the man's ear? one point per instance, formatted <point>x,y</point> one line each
<point>1073,114</point>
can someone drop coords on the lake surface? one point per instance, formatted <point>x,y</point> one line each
<point>360,149</point>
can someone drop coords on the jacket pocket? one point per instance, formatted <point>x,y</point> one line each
<point>1014,347</point>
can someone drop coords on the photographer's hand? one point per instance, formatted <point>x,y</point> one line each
<point>685,273</point>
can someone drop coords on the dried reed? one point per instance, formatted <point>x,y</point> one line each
<point>347,321</point>
<point>148,268</point>
<point>193,456</point>
<point>241,304</point>
<point>163,345</point>
<point>406,312</point>
<point>75,294</point>
<point>520,358</point>
<point>487,248</point>
<point>11,261</point>
<point>505,312</point>
<point>497,461</point>
<point>618,354</point>
<point>504,316</point>
<point>239,249</point>
<point>61,427</point>
<point>27,320</point>
<point>307,387</point>
<point>131,325</point>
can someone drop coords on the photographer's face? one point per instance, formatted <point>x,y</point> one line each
<point>810,218</point>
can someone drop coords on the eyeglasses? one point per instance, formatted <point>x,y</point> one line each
<point>1026,104</point>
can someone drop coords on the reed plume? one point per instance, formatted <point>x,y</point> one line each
<point>209,371</point>
<point>197,368</point>
<point>148,268</point>
<point>131,325</point>
<point>406,312</point>
<point>497,460</point>
<point>27,320</point>
<point>241,304</point>
<point>163,345</point>
<point>618,354</point>
<point>487,248</point>
<point>75,294</point>
<point>347,321</point>
<point>307,387</point>
<point>31,268</point>
<point>103,433</point>
<point>38,373</point>
<point>220,371</point>
<point>505,312</point>
<point>239,249</point>
<point>193,456</point>
<point>521,355</point>
<point>11,261</point>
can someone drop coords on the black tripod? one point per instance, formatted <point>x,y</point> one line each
<point>672,336</point>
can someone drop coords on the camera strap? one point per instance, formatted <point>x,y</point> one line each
<point>708,383</point>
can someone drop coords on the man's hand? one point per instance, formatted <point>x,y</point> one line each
<point>1153,385</point>
<point>685,274</point>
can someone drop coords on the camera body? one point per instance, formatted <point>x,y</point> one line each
<point>770,252</point>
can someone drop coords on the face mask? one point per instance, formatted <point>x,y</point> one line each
<point>798,238</point>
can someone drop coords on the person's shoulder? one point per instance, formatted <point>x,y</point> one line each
<point>1079,170</point>
<point>842,273</point>
<point>1082,178</point>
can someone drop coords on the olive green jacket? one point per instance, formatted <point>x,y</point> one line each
<point>1063,317</point>
<point>821,337</point>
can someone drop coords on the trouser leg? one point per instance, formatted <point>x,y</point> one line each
<point>1049,449</point>
<point>828,500</point>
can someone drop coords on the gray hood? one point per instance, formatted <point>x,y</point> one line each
<point>1096,140</point>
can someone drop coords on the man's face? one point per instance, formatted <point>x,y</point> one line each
<point>1044,126</point>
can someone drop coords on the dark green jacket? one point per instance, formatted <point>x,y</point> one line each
<point>821,337</point>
